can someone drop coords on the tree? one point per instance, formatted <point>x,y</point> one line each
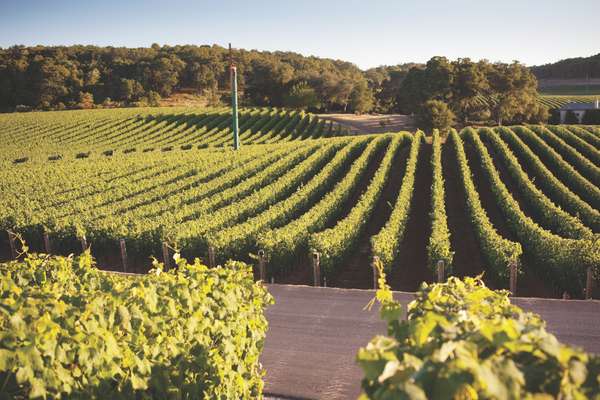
<point>302,95</point>
<point>86,100</point>
<point>436,114</point>
<point>361,98</point>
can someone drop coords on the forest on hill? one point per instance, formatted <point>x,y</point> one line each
<point>441,93</point>
<point>570,68</point>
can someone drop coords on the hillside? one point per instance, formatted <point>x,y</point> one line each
<point>580,68</point>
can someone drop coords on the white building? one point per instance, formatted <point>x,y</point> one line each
<point>579,109</point>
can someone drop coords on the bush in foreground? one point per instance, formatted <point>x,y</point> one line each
<point>462,340</point>
<point>69,330</point>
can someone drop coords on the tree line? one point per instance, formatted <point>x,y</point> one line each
<point>83,76</point>
<point>570,68</point>
<point>441,92</point>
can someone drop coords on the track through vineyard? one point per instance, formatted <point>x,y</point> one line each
<point>524,194</point>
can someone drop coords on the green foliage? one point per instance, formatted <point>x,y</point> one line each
<point>435,114</point>
<point>361,98</point>
<point>39,134</point>
<point>540,140</point>
<point>302,96</point>
<point>564,261</point>
<point>286,244</point>
<point>386,243</point>
<point>239,240</point>
<point>497,251</point>
<point>438,247</point>
<point>586,168</point>
<point>556,189</point>
<point>462,83</point>
<point>72,331</point>
<point>462,340</point>
<point>570,68</point>
<point>546,212</point>
<point>47,77</point>
<point>581,146</point>
<point>334,244</point>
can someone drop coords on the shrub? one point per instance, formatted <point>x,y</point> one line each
<point>70,330</point>
<point>82,155</point>
<point>108,153</point>
<point>462,340</point>
<point>436,114</point>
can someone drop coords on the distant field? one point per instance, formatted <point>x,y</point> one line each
<point>557,101</point>
<point>572,87</point>
<point>574,90</point>
<point>107,132</point>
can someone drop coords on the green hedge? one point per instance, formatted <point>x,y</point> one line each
<point>72,331</point>
<point>462,340</point>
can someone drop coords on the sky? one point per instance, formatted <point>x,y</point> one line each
<point>368,33</point>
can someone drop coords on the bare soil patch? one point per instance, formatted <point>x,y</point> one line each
<point>372,123</point>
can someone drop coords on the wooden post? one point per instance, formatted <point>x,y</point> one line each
<point>441,271</point>
<point>589,283</point>
<point>84,245</point>
<point>262,265</point>
<point>211,257</point>
<point>316,263</point>
<point>512,267</point>
<point>47,243</point>
<point>123,254</point>
<point>375,272</point>
<point>11,242</point>
<point>165,251</point>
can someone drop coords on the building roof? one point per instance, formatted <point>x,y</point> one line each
<point>578,106</point>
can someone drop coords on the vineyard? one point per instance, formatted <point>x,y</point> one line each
<point>557,101</point>
<point>479,200</point>
<point>549,100</point>
<point>104,133</point>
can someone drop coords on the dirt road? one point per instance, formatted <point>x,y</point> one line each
<point>314,334</point>
<point>366,123</point>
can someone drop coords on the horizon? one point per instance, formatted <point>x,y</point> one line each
<point>67,23</point>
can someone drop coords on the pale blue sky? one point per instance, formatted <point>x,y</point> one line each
<point>367,32</point>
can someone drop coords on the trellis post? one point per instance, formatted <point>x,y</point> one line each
<point>512,269</point>
<point>211,257</point>
<point>374,264</point>
<point>262,265</point>
<point>123,254</point>
<point>47,243</point>
<point>441,271</point>
<point>11,242</point>
<point>589,283</point>
<point>165,251</point>
<point>83,242</point>
<point>316,264</point>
